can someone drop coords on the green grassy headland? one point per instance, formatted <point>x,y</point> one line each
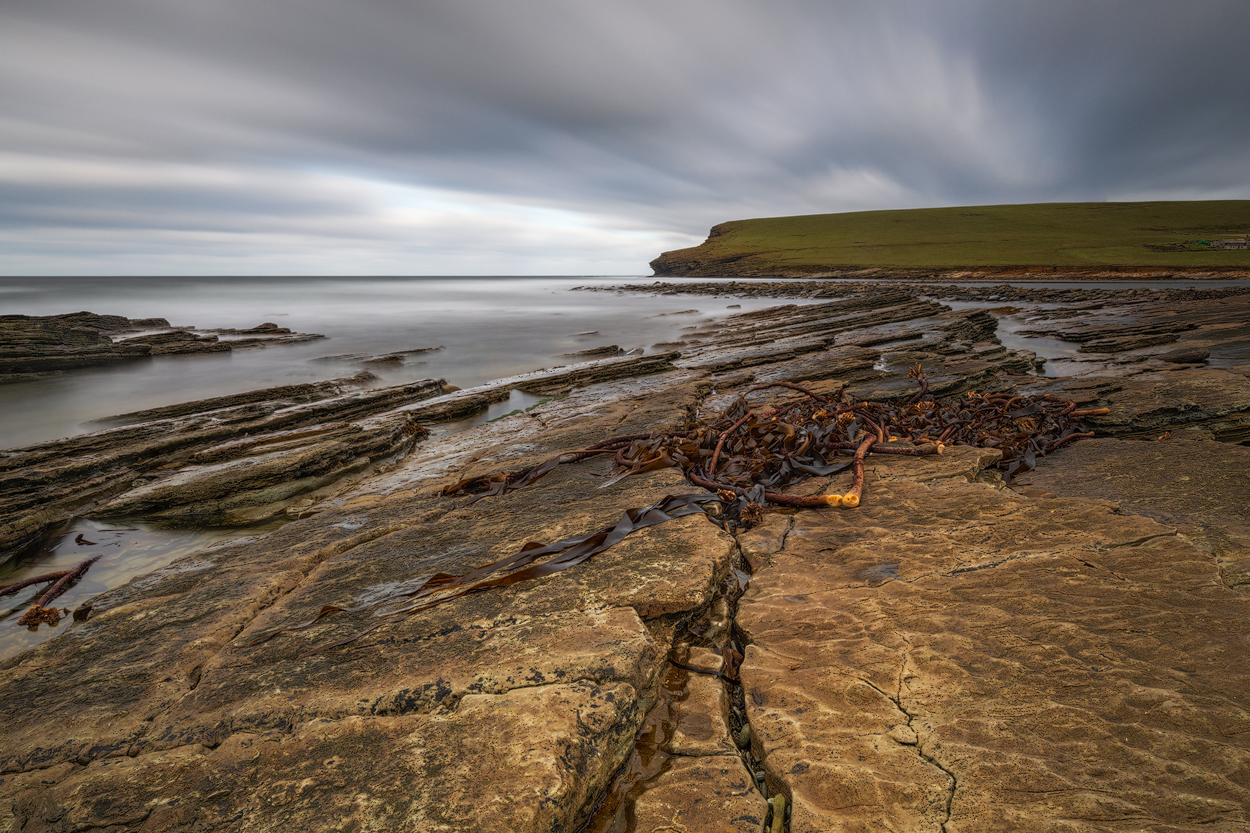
<point>1092,236</point>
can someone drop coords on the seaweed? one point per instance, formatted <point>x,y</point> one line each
<point>755,455</point>
<point>523,565</point>
<point>39,613</point>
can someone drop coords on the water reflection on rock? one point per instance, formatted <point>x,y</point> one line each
<point>127,550</point>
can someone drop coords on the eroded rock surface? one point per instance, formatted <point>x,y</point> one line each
<point>1190,481</point>
<point>963,658</point>
<point>243,458</point>
<point>534,692</point>
<point>702,795</point>
<point>1147,405</point>
<point>230,460</point>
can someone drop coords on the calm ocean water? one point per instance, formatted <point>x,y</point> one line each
<point>490,327</point>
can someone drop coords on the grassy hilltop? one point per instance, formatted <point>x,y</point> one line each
<point>1086,236</point>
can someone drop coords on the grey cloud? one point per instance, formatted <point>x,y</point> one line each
<point>422,137</point>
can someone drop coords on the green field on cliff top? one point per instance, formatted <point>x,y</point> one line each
<point>1045,234</point>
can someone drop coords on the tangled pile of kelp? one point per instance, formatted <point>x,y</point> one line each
<point>747,458</point>
<point>750,456</point>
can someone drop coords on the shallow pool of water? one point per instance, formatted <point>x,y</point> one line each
<point>517,402</point>
<point>1054,350</point>
<point>126,550</point>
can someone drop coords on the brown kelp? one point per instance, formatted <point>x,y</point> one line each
<point>523,565</point>
<point>39,613</point>
<point>756,454</point>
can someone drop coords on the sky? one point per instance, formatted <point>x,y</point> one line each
<point>565,137</point>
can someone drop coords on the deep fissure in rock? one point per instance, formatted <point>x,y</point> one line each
<point>713,627</point>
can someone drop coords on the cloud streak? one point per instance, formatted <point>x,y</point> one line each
<point>376,137</point>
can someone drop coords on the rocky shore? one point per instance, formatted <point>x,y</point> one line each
<point>1078,298</point>
<point>248,457</point>
<point>41,344</point>
<point>956,654</point>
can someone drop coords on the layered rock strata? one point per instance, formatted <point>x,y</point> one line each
<point>218,463</point>
<point>547,682</point>
<point>240,459</point>
<point>1130,341</point>
<point>1073,298</point>
<point>1135,330</point>
<point>35,344</point>
<point>367,360</point>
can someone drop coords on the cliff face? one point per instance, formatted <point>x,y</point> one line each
<point>1079,240</point>
<point>698,262</point>
<point>711,260</point>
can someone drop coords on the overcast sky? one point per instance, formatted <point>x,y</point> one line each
<point>573,137</point>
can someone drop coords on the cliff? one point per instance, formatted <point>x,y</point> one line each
<point>1079,240</point>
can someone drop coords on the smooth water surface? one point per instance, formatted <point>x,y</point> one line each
<point>126,550</point>
<point>490,328</point>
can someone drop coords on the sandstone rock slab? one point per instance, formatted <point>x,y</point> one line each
<point>959,657</point>
<point>520,761</point>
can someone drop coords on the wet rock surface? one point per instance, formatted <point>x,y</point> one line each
<point>952,655</point>
<point>40,344</point>
<point>224,461</point>
<point>1147,405</point>
<point>701,795</point>
<point>548,681</point>
<point>368,360</point>
<point>931,283</point>
<point>244,458</point>
<point>595,352</point>
<point>1191,326</point>
<point>1105,331</point>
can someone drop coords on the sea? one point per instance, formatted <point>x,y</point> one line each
<point>488,327</point>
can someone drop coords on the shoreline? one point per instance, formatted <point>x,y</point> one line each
<point>913,621</point>
<point>375,325</point>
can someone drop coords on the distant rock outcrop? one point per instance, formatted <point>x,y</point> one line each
<point>38,344</point>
